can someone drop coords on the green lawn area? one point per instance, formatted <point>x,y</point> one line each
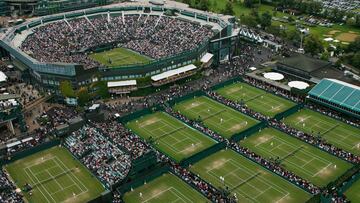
<point>218,117</point>
<point>353,193</point>
<point>333,131</point>
<point>248,180</point>
<point>166,188</point>
<point>299,157</point>
<point>55,176</point>
<point>119,57</point>
<point>170,136</point>
<point>256,99</point>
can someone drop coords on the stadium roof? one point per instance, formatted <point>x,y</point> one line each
<point>170,73</point>
<point>206,58</point>
<point>121,83</point>
<point>338,92</point>
<point>304,63</point>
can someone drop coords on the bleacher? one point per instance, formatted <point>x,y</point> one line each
<point>338,95</point>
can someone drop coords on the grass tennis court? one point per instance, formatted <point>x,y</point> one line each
<point>170,135</point>
<point>333,131</point>
<point>353,193</point>
<point>249,181</point>
<point>166,188</point>
<point>256,99</point>
<point>218,117</point>
<point>118,57</point>
<point>55,176</point>
<point>299,157</point>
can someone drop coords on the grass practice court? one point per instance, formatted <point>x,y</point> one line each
<point>166,188</point>
<point>299,157</point>
<point>55,176</point>
<point>256,99</point>
<point>353,193</point>
<point>119,56</point>
<point>248,180</point>
<point>334,131</point>
<point>216,116</point>
<point>171,136</point>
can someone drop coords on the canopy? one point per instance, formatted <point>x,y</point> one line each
<point>121,83</point>
<point>274,76</point>
<point>298,84</point>
<point>170,73</point>
<point>3,77</point>
<point>206,58</point>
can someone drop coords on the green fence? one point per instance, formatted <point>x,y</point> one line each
<point>249,131</point>
<point>186,97</point>
<point>31,151</point>
<point>288,112</point>
<point>138,114</point>
<point>207,152</point>
<point>139,180</point>
<point>346,176</point>
<point>226,83</point>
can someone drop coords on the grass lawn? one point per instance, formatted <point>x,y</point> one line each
<point>248,180</point>
<point>256,99</point>
<point>166,188</point>
<point>299,157</point>
<point>119,57</point>
<point>335,132</point>
<point>353,193</point>
<point>170,135</point>
<point>218,117</point>
<point>55,176</point>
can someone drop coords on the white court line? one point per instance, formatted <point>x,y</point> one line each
<point>40,186</point>
<point>321,170</point>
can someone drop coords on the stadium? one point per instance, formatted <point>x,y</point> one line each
<point>118,43</point>
<point>231,135</point>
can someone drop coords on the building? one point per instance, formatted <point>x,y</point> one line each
<point>338,95</point>
<point>47,76</point>
<point>311,69</point>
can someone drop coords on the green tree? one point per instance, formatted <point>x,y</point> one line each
<point>355,61</point>
<point>66,89</point>
<point>83,96</point>
<point>249,3</point>
<point>228,10</point>
<point>354,46</point>
<point>102,89</point>
<point>313,45</point>
<point>265,20</point>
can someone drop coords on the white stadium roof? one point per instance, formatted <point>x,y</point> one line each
<point>170,73</point>
<point>121,83</point>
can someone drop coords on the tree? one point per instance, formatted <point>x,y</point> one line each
<point>228,10</point>
<point>83,96</point>
<point>265,20</point>
<point>313,45</point>
<point>248,3</point>
<point>354,46</point>
<point>102,89</point>
<point>66,89</point>
<point>355,61</point>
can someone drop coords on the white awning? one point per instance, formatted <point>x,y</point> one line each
<point>27,139</point>
<point>13,144</point>
<point>121,83</point>
<point>3,77</point>
<point>173,72</point>
<point>206,58</point>
<point>94,106</point>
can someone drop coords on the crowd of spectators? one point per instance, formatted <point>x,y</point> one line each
<point>7,190</point>
<point>99,154</point>
<point>56,116</point>
<point>70,41</point>
<point>123,137</point>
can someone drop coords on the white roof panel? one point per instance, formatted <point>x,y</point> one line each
<point>3,77</point>
<point>121,83</point>
<point>173,72</point>
<point>206,58</point>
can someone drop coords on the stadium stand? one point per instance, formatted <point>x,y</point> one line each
<point>338,95</point>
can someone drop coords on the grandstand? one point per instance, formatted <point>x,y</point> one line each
<point>145,27</point>
<point>338,95</point>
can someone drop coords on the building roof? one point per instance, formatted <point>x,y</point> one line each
<point>121,83</point>
<point>304,63</point>
<point>3,77</point>
<point>173,72</point>
<point>338,92</point>
<point>206,58</point>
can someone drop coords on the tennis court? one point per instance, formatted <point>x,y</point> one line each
<point>353,193</point>
<point>299,157</point>
<point>55,176</point>
<point>216,116</point>
<point>249,181</point>
<point>333,131</point>
<point>256,99</point>
<point>166,188</point>
<point>170,135</point>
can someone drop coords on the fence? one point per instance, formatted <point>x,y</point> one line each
<point>205,153</point>
<point>288,112</point>
<point>249,131</point>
